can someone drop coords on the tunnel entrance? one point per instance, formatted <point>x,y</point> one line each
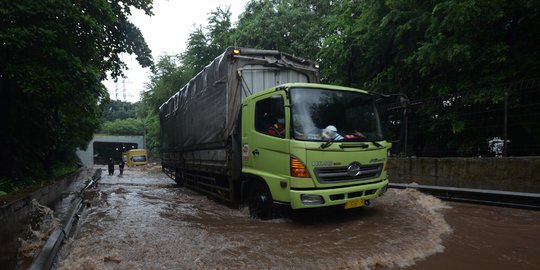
<point>105,150</point>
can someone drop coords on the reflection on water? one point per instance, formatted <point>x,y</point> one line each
<point>141,221</point>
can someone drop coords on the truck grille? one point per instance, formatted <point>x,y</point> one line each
<point>340,174</point>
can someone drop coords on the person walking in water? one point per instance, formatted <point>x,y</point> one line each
<point>111,166</point>
<point>121,166</point>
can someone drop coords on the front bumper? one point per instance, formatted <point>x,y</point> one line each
<point>339,195</point>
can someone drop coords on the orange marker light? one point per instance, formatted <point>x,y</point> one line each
<point>236,51</point>
<point>298,169</point>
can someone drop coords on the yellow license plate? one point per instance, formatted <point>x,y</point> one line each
<point>354,203</point>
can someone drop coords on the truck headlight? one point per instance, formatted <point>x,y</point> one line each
<point>309,199</point>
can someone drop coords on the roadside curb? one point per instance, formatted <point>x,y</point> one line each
<point>481,196</point>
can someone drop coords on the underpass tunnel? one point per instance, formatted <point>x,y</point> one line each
<point>105,150</point>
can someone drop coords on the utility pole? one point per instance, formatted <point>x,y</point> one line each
<point>124,88</point>
<point>505,138</point>
<point>406,131</point>
<point>405,103</point>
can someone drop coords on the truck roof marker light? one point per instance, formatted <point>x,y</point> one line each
<point>298,169</point>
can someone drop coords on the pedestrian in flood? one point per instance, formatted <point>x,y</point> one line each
<point>111,166</point>
<point>121,166</point>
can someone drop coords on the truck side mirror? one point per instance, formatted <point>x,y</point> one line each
<point>404,101</point>
<point>392,102</point>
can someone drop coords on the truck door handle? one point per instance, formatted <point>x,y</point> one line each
<point>255,152</point>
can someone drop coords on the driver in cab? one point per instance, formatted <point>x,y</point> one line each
<point>277,128</point>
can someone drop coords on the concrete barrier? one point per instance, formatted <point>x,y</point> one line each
<point>48,252</point>
<point>14,216</point>
<point>519,174</point>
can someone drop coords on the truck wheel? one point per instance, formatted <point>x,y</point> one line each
<point>260,202</point>
<point>179,178</point>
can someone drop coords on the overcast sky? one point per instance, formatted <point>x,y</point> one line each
<point>166,33</point>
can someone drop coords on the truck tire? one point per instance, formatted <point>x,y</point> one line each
<point>179,177</point>
<point>260,202</point>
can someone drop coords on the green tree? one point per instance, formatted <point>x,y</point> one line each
<point>153,134</point>
<point>291,26</point>
<point>204,45</point>
<point>54,55</point>
<point>219,32</point>
<point>129,126</point>
<point>455,56</point>
<point>118,109</point>
<point>167,79</point>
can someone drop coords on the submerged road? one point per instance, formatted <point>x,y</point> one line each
<point>141,220</point>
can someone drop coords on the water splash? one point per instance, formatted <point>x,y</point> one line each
<point>428,210</point>
<point>42,222</point>
<point>159,227</point>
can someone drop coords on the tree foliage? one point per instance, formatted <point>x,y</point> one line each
<point>54,55</point>
<point>292,26</point>
<point>454,59</point>
<point>204,45</point>
<point>118,110</point>
<point>460,52</point>
<point>128,126</point>
<point>168,78</point>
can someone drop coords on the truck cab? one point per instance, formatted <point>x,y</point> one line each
<point>312,145</point>
<point>135,157</point>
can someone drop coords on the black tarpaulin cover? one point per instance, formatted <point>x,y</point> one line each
<point>203,114</point>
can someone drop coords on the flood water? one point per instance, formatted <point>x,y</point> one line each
<point>143,221</point>
<point>487,237</point>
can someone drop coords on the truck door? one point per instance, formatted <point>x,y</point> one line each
<point>269,146</point>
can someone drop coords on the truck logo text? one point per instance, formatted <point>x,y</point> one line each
<point>322,163</point>
<point>377,160</point>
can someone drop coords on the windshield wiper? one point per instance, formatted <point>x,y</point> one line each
<point>329,142</point>
<point>376,144</point>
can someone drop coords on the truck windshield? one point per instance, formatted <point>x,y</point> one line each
<point>324,114</point>
<point>139,158</point>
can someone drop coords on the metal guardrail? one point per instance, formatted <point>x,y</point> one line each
<point>481,196</point>
<point>48,252</point>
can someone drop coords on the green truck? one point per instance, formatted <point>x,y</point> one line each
<point>255,127</point>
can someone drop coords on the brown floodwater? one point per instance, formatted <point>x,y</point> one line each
<point>143,221</point>
<point>487,237</point>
